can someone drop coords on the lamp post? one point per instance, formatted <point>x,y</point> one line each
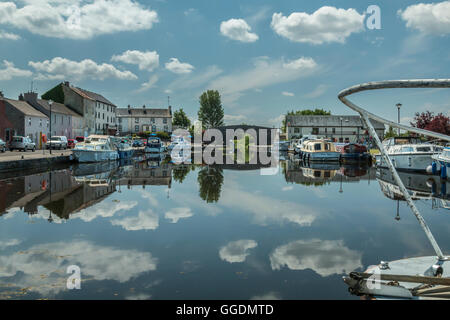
<point>342,139</point>
<point>50,102</point>
<point>398,105</point>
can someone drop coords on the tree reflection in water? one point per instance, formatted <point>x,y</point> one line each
<point>210,180</point>
<point>180,172</point>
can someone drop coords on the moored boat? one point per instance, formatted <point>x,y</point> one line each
<point>125,150</point>
<point>407,153</point>
<point>443,159</point>
<point>96,148</point>
<point>319,150</point>
<point>354,152</point>
<point>154,145</point>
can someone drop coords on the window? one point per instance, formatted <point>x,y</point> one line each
<point>103,116</point>
<point>40,122</point>
<point>327,146</point>
<point>29,121</point>
<point>165,121</point>
<point>315,131</point>
<point>333,130</point>
<point>136,120</point>
<point>296,130</point>
<point>136,128</point>
<point>317,147</point>
<point>326,130</point>
<point>152,120</point>
<point>166,128</point>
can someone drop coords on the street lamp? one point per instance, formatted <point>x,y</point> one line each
<point>398,105</point>
<point>342,139</point>
<point>50,102</point>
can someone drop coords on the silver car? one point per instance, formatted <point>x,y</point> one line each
<point>57,142</point>
<point>2,146</point>
<point>22,143</point>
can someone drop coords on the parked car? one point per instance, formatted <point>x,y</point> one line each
<point>57,142</point>
<point>2,146</point>
<point>22,143</point>
<point>71,143</point>
<point>79,139</point>
<point>137,144</point>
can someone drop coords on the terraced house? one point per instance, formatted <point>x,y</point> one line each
<point>135,120</point>
<point>18,118</point>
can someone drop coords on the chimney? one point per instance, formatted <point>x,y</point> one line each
<point>21,97</point>
<point>67,83</point>
<point>31,97</point>
<point>129,109</point>
<point>170,110</point>
<point>143,107</point>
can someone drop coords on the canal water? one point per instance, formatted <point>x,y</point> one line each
<point>150,229</point>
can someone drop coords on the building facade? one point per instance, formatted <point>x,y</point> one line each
<point>337,128</point>
<point>21,119</point>
<point>135,120</point>
<point>64,121</point>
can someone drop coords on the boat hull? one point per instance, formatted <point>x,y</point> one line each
<point>407,162</point>
<point>86,156</point>
<point>355,157</point>
<point>126,154</point>
<point>322,156</point>
<point>154,149</point>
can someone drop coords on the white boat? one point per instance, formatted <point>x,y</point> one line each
<point>125,150</point>
<point>154,145</point>
<point>407,153</point>
<point>319,150</point>
<point>443,159</point>
<point>96,148</point>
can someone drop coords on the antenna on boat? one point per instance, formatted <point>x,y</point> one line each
<point>366,116</point>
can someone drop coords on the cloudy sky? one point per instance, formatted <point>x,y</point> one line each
<point>265,57</point>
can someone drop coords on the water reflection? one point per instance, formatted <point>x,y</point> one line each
<point>149,228</point>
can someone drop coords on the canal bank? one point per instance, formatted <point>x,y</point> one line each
<point>19,161</point>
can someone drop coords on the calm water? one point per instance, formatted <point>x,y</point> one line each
<point>153,230</point>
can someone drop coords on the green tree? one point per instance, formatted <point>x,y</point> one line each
<point>391,133</point>
<point>305,112</point>
<point>210,181</point>
<point>211,110</point>
<point>180,119</point>
<point>56,94</point>
<point>180,172</point>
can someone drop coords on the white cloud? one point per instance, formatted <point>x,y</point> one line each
<point>237,251</point>
<point>85,69</point>
<point>145,220</point>
<point>178,213</point>
<point>267,296</point>
<point>265,72</point>
<point>196,80</point>
<point>317,92</point>
<point>288,188</point>
<point>429,18</point>
<point>326,257</point>
<point>175,66</point>
<point>9,243</point>
<point>238,29</point>
<point>77,19</point>
<point>230,119</point>
<point>149,84</point>
<point>12,72</point>
<point>327,24</point>
<point>287,94</point>
<point>8,36</point>
<point>148,60</point>
<point>42,267</point>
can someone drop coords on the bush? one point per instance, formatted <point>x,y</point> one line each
<point>163,135</point>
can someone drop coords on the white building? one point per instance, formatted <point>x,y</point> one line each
<point>134,120</point>
<point>336,128</point>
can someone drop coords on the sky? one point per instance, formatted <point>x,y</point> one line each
<point>264,57</point>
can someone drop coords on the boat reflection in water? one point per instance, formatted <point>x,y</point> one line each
<point>316,173</point>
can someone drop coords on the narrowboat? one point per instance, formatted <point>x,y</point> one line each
<point>407,154</point>
<point>319,150</point>
<point>353,152</point>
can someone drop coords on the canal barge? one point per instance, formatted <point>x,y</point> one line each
<point>355,153</point>
<point>319,150</point>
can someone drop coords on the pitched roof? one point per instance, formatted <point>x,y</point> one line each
<point>57,108</point>
<point>25,108</point>
<point>328,121</point>
<point>93,96</point>
<point>143,113</point>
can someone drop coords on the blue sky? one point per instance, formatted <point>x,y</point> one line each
<point>264,57</point>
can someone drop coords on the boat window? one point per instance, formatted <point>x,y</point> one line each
<point>423,149</point>
<point>317,147</point>
<point>407,149</point>
<point>327,146</point>
<point>317,174</point>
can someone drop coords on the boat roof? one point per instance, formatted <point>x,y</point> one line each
<point>98,136</point>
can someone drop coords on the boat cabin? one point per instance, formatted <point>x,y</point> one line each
<point>318,146</point>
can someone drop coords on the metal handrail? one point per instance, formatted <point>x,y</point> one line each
<point>366,116</point>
